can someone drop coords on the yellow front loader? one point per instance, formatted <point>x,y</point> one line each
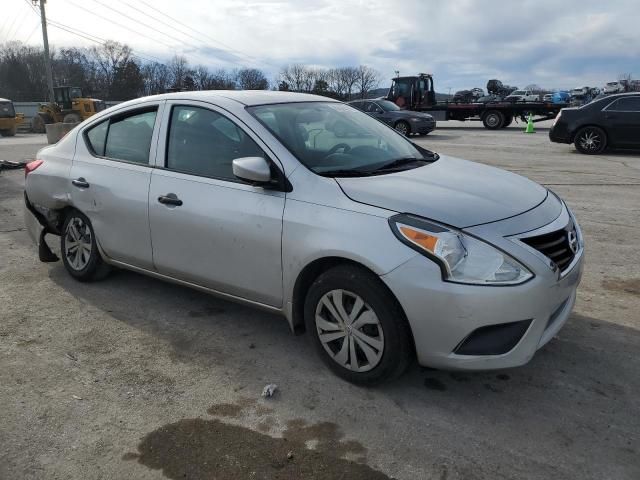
<point>69,106</point>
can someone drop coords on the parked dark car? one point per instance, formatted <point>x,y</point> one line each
<point>404,121</point>
<point>610,122</point>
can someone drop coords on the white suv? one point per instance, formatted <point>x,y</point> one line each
<point>523,96</point>
<point>614,87</point>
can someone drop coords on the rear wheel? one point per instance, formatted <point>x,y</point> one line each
<point>357,326</point>
<point>71,118</point>
<point>590,140</point>
<point>38,124</point>
<point>8,132</point>
<point>80,253</point>
<point>493,120</point>
<point>403,127</point>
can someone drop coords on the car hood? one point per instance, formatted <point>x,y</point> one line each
<point>452,191</point>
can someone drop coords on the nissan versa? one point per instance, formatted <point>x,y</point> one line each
<point>379,249</point>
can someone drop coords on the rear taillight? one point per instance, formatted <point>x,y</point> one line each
<point>31,166</point>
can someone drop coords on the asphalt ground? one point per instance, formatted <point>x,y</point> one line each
<point>131,377</point>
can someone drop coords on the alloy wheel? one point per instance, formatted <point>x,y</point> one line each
<point>349,330</point>
<point>77,244</point>
<point>402,128</point>
<point>590,140</point>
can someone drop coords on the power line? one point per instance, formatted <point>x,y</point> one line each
<point>91,37</point>
<point>180,41</point>
<point>202,36</point>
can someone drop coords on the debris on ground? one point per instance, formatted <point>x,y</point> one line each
<point>71,356</point>
<point>290,455</point>
<point>76,397</point>
<point>269,390</point>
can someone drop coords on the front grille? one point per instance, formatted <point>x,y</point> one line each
<point>560,246</point>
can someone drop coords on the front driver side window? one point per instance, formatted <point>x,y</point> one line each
<point>203,142</point>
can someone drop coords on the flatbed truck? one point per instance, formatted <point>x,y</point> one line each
<point>417,93</point>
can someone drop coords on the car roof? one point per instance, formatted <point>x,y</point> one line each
<point>622,95</point>
<point>4,100</point>
<point>245,97</point>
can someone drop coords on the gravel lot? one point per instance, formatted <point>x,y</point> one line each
<point>134,378</point>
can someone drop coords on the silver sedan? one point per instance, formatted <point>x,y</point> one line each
<point>381,250</point>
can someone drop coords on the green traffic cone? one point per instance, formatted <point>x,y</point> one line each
<point>530,128</point>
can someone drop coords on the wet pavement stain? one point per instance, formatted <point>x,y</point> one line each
<point>631,286</point>
<point>203,449</point>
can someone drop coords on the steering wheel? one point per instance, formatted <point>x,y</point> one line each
<point>345,148</point>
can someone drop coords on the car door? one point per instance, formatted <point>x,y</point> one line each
<point>623,120</point>
<point>374,110</point>
<point>208,227</point>
<point>110,178</point>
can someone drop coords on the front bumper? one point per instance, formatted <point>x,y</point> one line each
<point>423,128</point>
<point>443,315</point>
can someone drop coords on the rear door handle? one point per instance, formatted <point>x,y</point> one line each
<point>170,199</point>
<point>80,183</point>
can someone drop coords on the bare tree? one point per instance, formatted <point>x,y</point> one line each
<point>109,58</point>
<point>296,76</point>
<point>349,77</point>
<point>251,79</point>
<point>202,77</point>
<point>336,82</point>
<point>156,78</point>
<point>179,68</point>
<point>368,79</point>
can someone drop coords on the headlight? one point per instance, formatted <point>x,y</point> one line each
<point>415,119</point>
<point>462,258</point>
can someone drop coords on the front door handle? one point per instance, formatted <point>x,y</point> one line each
<point>80,183</point>
<point>170,199</point>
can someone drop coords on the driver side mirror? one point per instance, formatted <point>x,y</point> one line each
<point>255,170</point>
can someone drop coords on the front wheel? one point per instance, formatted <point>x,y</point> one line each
<point>403,128</point>
<point>80,253</point>
<point>357,326</point>
<point>493,120</point>
<point>590,140</point>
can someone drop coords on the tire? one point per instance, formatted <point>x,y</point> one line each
<point>83,263</point>
<point>383,346</point>
<point>590,140</point>
<point>71,118</point>
<point>38,124</point>
<point>403,127</point>
<point>9,132</point>
<point>493,120</point>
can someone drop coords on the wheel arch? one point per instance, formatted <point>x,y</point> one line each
<point>580,127</point>
<point>402,120</point>
<point>310,273</point>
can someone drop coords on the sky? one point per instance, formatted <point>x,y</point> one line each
<point>463,43</point>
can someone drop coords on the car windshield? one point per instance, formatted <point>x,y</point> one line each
<point>388,106</point>
<point>519,92</point>
<point>335,139</point>
<point>6,110</point>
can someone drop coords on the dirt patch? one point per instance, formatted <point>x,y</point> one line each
<point>197,448</point>
<point>631,286</point>
<point>225,410</point>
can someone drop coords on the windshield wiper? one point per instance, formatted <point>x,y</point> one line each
<point>398,163</point>
<point>345,173</point>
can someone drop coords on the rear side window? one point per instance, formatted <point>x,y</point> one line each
<point>124,137</point>
<point>203,142</point>
<point>97,136</point>
<point>129,138</point>
<point>629,104</point>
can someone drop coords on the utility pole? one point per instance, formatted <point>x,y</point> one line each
<point>45,40</point>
